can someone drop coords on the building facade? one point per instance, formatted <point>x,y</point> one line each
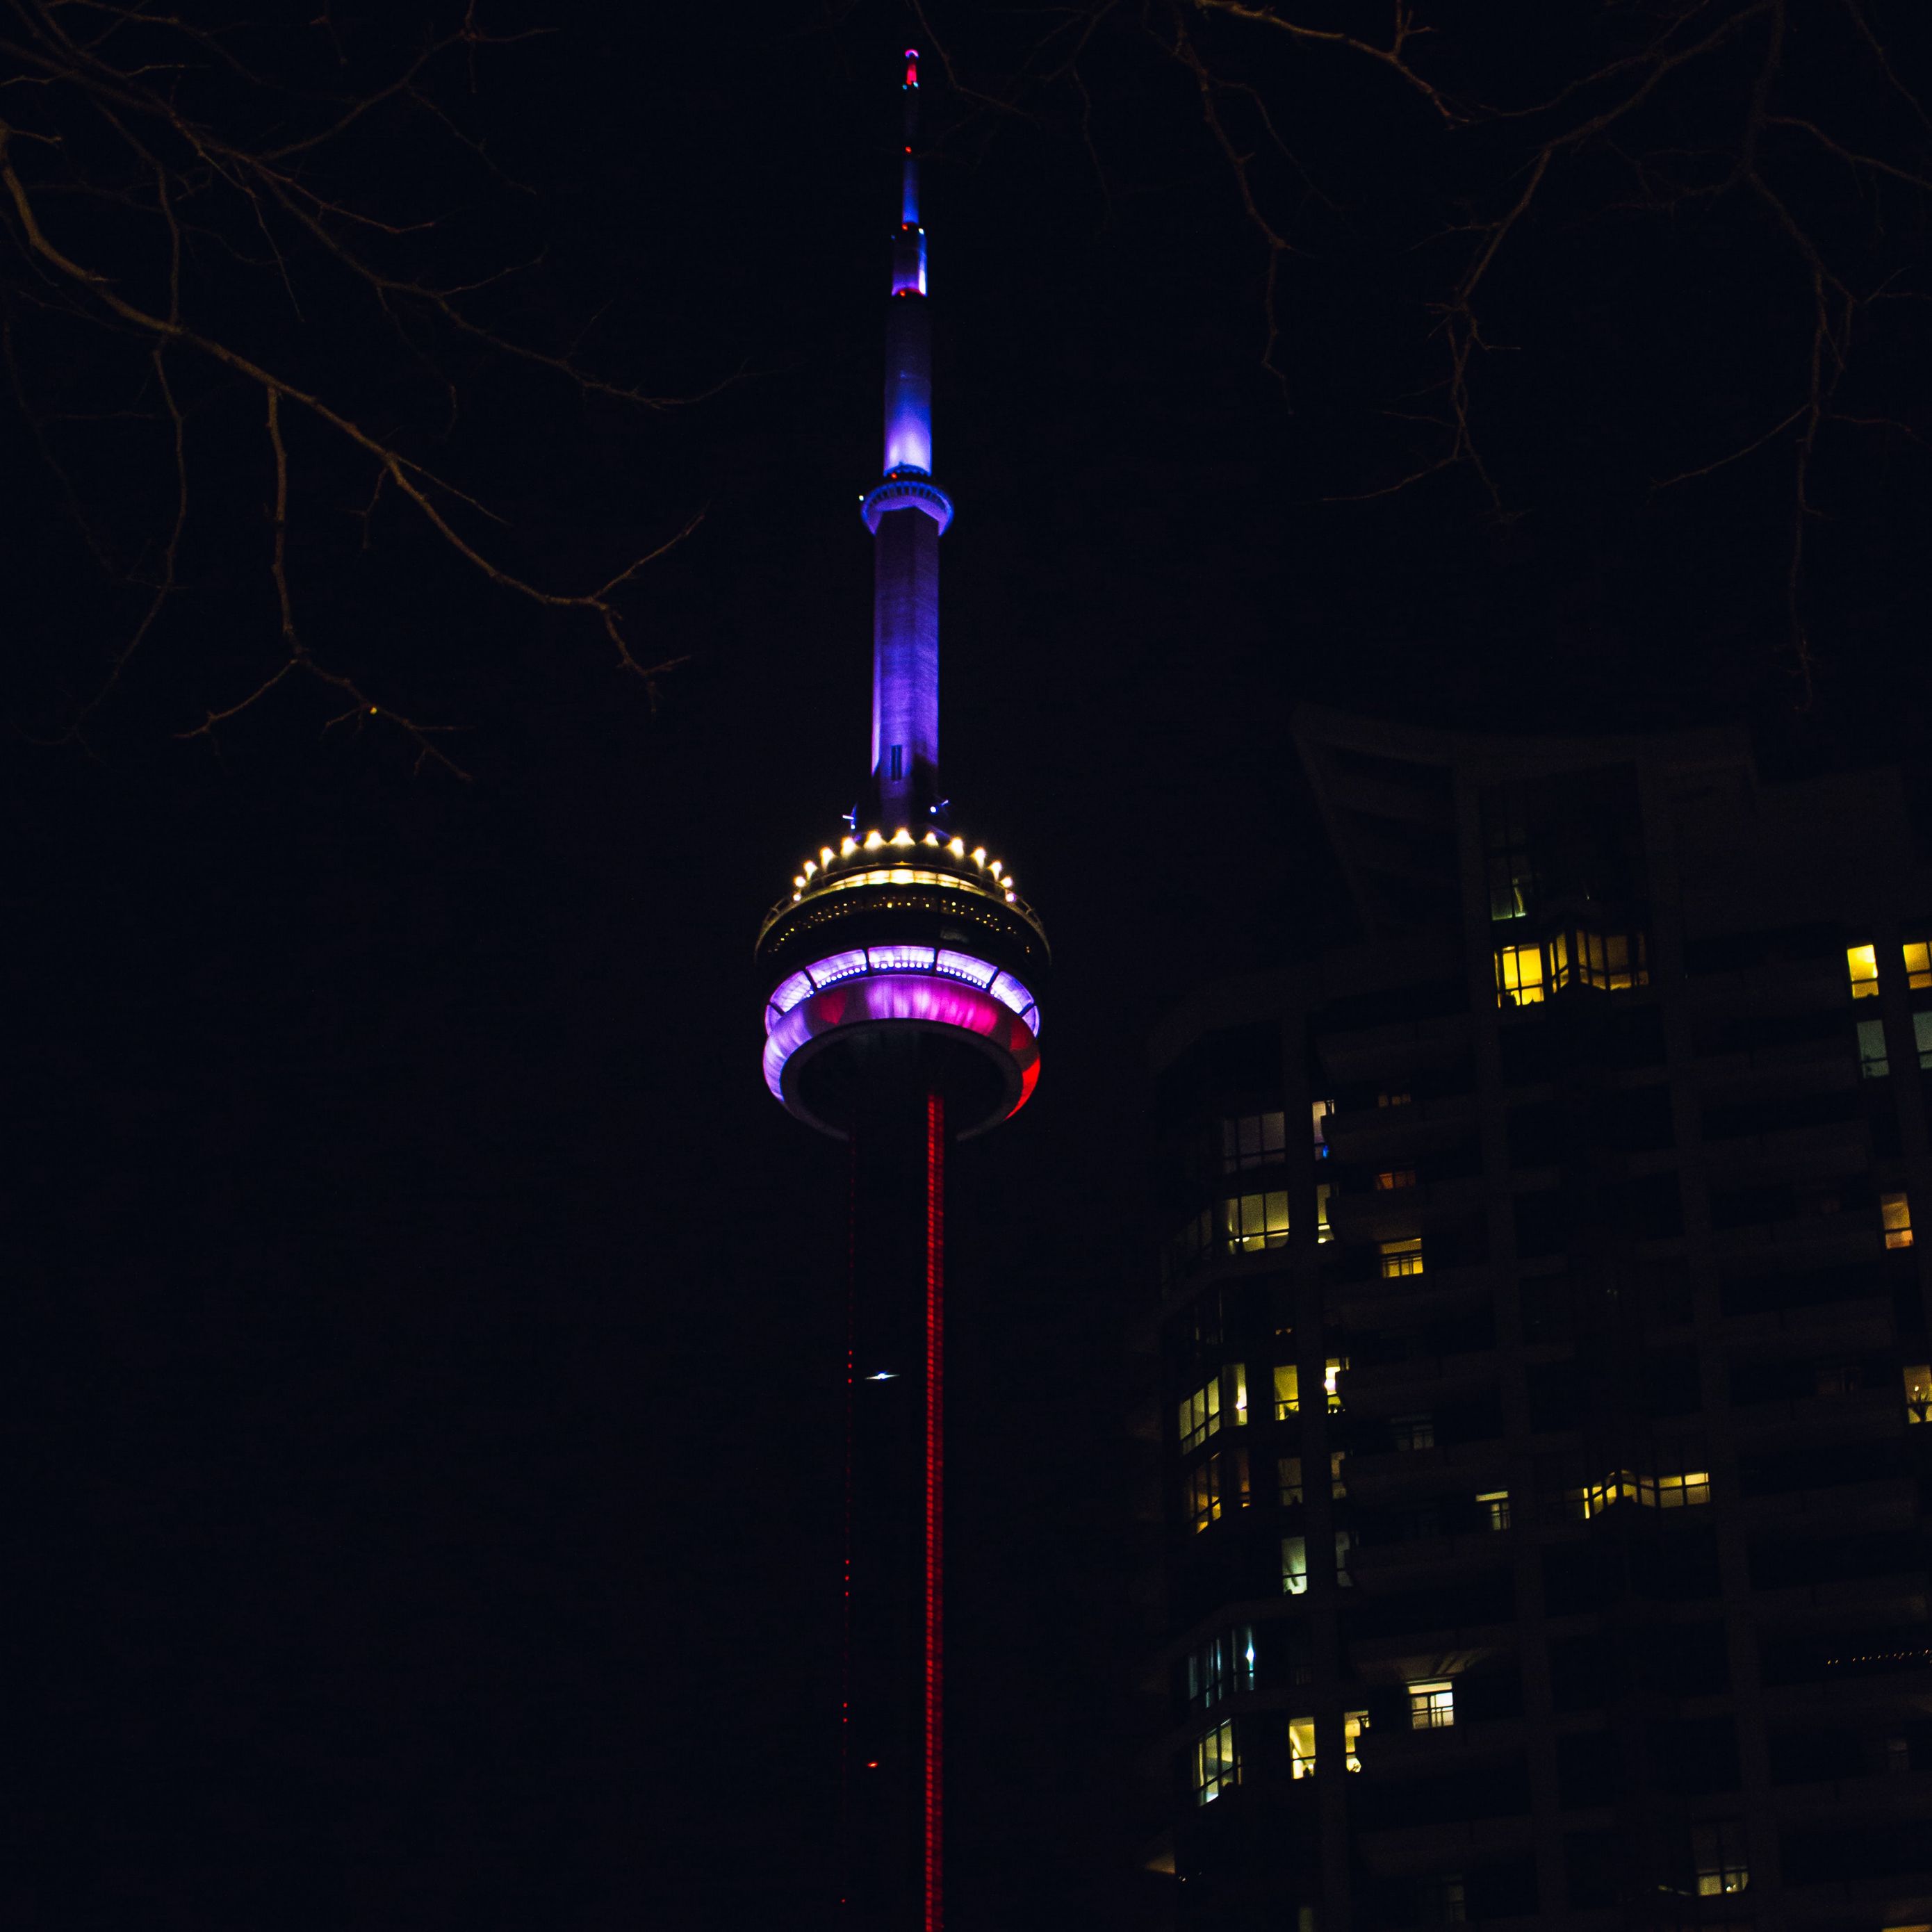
<point>1532,1402</point>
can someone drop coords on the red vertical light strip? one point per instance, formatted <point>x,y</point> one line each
<point>845,1834</point>
<point>935,1284</point>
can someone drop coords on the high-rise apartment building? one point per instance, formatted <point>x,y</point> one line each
<point>1541,1359</point>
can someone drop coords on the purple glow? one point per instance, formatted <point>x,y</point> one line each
<point>964,966</point>
<point>909,421</point>
<point>921,998</point>
<point>907,965</point>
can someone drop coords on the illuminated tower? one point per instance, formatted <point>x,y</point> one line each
<point>902,970</point>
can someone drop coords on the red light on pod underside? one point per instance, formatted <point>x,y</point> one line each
<point>912,67</point>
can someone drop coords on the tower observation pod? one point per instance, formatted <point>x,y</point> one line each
<point>902,973</point>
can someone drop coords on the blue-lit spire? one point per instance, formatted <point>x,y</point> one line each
<point>907,513</point>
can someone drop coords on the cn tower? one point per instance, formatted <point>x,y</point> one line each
<point>901,971</point>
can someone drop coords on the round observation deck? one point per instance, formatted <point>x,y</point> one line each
<point>888,944</point>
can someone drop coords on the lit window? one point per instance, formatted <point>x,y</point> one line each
<point>1353,1724</point>
<point>1873,1063</point>
<point>1413,1431</point>
<point>1495,1505</point>
<point>1611,961</point>
<point>1238,1376</point>
<point>1301,1747</point>
<point>1919,1392</point>
<point>1921,1038</point>
<point>1219,1483</point>
<point>1862,966</point>
<point>1432,1705</point>
<point>1895,1212</point>
<point>1519,976</point>
<point>1918,965</point>
<point>1345,1541</point>
<point>1392,1177</point>
<point>1401,1258</point>
<point>1322,1110</point>
<point>1294,1564</point>
<point>1288,1386</point>
<point>1252,1221</point>
<point>1216,1767</point>
<point>1323,1231</point>
<point>1683,1489</point>
<point>1717,1849</point>
<point>1686,1490</point>
<point>1398,1097</point>
<point>1290,1469</point>
<point>1221,1667</point>
<point>1331,1379</point>
<point>1251,1140</point>
<point>1200,1415</point>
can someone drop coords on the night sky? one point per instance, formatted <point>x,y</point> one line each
<point>426,1421</point>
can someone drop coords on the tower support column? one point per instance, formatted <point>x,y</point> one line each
<point>892,1855</point>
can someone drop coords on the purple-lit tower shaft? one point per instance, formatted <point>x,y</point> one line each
<point>908,514</point>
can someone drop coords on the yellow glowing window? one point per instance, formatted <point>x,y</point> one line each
<point>1218,1483</point>
<point>1918,965</point>
<point>1593,1498</point>
<point>1323,1231</point>
<point>1392,1177</point>
<point>1495,1505</point>
<point>1611,961</point>
<point>1432,1705</point>
<point>1895,1212</point>
<point>1200,1415</point>
<point>1250,1222</point>
<point>1287,1385</point>
<point>1353,1724</point>
<point>1287,1390</point>
<point>1687,1491</point>
<point>1519,976</point>
<point>1216,1767</point>
<point>1919,1392</point>
<point>1320,1110</point>
<point>1301,1747</point>
<point>1294,1564</point>
<point>1862,967</point>
<point>1290,1469</point>
<point>1238,1376</point>
<point>1401,1258</point>
<point>1717,1849</point>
